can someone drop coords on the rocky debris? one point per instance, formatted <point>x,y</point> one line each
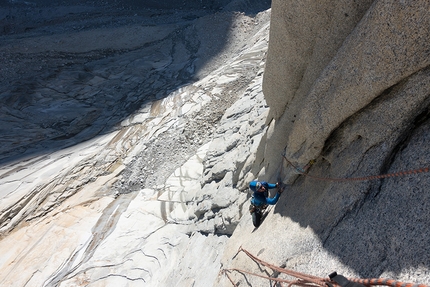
<point>128,145</point>
<point>104,148</point>
<point>237,139</point>
<point>100,69</point>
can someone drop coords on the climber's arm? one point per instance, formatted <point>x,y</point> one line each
<point>272,185</point>
<point>273,200</point>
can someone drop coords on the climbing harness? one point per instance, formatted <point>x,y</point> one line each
<point>303,171</point>
<point>305,280</point>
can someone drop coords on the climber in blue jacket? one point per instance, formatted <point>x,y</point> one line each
<point>261,193</point>
<point>261,198</point>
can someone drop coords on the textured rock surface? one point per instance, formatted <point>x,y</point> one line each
<point>372,53</point>
<point>129,136</point>
<point>348,86</point>
<point>108,114</point>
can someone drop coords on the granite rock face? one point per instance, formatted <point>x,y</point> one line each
<point>347,84</point>
<point>129,135</point>
<point>347,57</point>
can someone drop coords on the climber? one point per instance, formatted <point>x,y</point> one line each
<point>260,199</point>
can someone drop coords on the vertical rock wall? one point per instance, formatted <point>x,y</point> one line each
<point>303,39</point>
<point>348,85</point>
<point>328,62</point>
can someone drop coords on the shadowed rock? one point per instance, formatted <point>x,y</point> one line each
<point>348,86</point>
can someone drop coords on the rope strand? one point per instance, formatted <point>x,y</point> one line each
<point>305,280</point>
<point>371,177</point>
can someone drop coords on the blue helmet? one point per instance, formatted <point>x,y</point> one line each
<point>255,185</point>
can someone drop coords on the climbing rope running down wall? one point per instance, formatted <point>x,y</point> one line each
<point>302,171</point>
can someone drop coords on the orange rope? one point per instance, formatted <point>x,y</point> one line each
<point>386,282</point>
<point>295,282</point>
<point>228,276</point>
<point>372,177</point>
<point>305,280</point>
<point>305,277</point>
